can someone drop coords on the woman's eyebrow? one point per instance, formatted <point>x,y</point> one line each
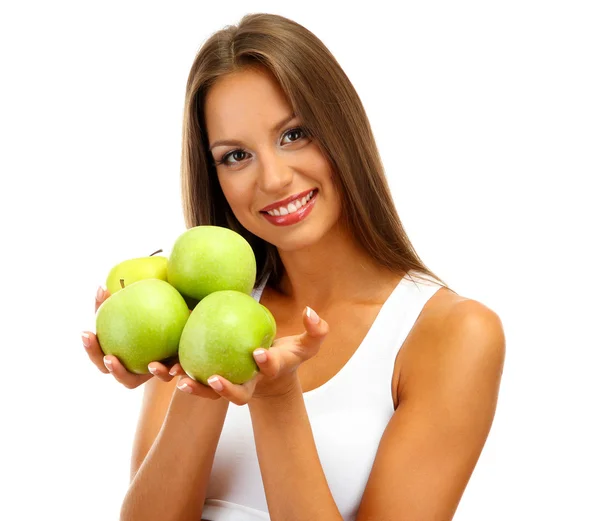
<point>235,142</point>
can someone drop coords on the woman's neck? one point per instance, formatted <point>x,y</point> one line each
<point>334,271</point>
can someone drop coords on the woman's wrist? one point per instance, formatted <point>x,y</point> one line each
<point>188,409</point>
<point>279,390</point>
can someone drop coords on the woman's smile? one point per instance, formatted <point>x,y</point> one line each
<point>293,212</point>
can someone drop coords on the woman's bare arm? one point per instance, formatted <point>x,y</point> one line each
<point>173,453</point>
<point>447,405</point>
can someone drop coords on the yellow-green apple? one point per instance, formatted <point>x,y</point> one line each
<point>220,335</point>
<point>208,258</point>
<point>131,270</point>
<point>142,323</point>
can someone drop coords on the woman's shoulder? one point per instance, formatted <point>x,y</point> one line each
<point>449,309</point>
<point>453,331</point>
<point>446,304</point>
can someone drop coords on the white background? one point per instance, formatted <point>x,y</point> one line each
<point>487,117</point>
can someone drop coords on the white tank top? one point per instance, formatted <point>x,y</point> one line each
<point>347,415</point>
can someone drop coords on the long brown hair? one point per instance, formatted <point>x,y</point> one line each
<point>323,97</point>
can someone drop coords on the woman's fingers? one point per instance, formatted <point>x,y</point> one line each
<point>111,364</point>
<point>289,352</point>
<point>92,348</point>
<point>187,385</point>
<point>177,370</point>
<point>237,394</point>
<point>122,375</point>
<point>163,372</point>
<point>269,361</point>
<point>101,295</point>
<point>316,330</point>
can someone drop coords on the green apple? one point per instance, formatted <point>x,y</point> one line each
<point>132,270</point>
<point>208,258</point>
<point>220,335</point>
<point>142,323</point>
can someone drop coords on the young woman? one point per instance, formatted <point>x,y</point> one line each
<point>379,392</point>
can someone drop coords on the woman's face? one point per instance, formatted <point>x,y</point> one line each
<point>264,157</point>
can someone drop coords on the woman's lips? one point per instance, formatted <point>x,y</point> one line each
<point>294,217</point>
<point>287,200</point>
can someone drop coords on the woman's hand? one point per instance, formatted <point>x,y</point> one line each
<point>277,366</point>
<point>111,364</point>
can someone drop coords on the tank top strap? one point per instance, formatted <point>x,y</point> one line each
<point>257,291</point>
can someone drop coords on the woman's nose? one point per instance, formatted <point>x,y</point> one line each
<point>275,174</point>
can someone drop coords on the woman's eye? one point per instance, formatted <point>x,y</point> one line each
<point>235,154</point>
<point>295,131</point>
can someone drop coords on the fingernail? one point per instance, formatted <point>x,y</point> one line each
<point>173,371</point>
<point>153,370</point>
<point>85,338</point>
<point>260,355</point>
<point>108,364</point>
<point>215,383</point>
<point>312,315</point>
<point>99,293</point>
<point>185,388</point>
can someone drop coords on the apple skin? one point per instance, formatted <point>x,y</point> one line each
<point>142,323</point>
<point>221,334</point>
<point>205,259</point>
<point>132,270</point>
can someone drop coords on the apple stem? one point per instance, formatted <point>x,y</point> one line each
<point>122,281</point>
<point>157,251</point>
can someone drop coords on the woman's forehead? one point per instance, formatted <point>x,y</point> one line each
<point>243,103</point>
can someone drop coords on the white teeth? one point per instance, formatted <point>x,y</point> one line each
<point>292,207</point>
